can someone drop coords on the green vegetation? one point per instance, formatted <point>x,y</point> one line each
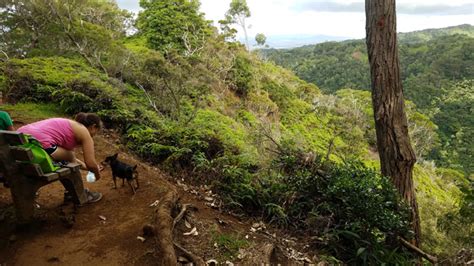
<point>437,75</point>
<point>229,244</point>
<point>323,197</point>
<point>456,126</point>
<point>270,144</point>
<point>429,34</point>
<point>443,188</point>
<point>173,24</point>
<point>31,111</point>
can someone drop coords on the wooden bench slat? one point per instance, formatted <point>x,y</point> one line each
<point>34,170</point>
<point>21,154</point>
<point>73,166</point>
<point>63,171</point>
<point>51,176</point>
<point>12,137</point>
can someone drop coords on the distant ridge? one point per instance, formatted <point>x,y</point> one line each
<point>296,41</point>
<point>335,65</point>
<point>429,34</point>
<point>292,41</point>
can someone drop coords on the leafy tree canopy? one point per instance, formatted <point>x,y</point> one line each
<point>173,24</point>
<point>25,30</point>
<point>260,38</point>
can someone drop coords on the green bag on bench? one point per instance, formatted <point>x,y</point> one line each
<point>40,156</point>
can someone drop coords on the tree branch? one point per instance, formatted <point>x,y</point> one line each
<point>418,251</point>
<point>152,103</point>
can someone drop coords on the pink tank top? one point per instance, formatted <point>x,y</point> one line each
<point>52,132</point>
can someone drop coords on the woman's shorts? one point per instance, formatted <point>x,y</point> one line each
<point>51,149</point>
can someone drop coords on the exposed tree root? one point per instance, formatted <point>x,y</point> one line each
<point>190,256</point>
<point>162,228</point>
<point>184,208</point>
<point>269,250</point>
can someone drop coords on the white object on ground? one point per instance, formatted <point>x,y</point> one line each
<point>193,232</point>
<point>187,224</point>
<point>154,204</point>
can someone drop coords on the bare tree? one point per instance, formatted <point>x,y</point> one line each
<point>393,143</point>
<point>193,43</point>
<point>238,13</point>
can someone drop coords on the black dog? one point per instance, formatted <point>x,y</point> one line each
<point>122,170</point>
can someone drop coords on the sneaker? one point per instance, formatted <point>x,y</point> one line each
<point>60,163</point>
<point>92,196</point>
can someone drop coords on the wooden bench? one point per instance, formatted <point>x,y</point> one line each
<point>24,178</point>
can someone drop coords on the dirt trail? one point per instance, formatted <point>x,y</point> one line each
<point>93,241</point>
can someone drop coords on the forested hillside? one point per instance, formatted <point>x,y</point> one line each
<point>436,64</point>
<point>270,144</point>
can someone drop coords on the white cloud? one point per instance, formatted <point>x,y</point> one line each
<point>283,17</point>
<point>130,5</point>
<point>286,17</point>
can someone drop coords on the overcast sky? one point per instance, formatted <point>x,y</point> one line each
<point>344,18</point>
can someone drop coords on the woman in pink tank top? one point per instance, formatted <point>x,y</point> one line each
<point>59,137</point>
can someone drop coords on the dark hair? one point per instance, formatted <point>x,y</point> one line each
<point>88,119</point>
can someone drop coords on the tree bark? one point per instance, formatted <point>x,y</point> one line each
<point>393,143</point>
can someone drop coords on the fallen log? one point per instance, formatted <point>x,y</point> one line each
<point>418,251</point>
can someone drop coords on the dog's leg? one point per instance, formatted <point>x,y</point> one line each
<point>123,182</point>
<point>115,181</point>
<point>133,188</point>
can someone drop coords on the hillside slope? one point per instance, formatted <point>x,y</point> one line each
<point>105,233</point>
<point>269,145</point>
<point>433,62</point>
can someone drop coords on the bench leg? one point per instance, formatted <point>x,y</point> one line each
<point>74,185</point>
<point>23,194</point>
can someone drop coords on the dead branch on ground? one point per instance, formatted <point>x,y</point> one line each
<point>418,251</point>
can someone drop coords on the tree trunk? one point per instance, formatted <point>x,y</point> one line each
<point>393,143</point>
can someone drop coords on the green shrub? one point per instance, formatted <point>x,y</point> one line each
<point>307,130</point>
<point>208,136</point>
<point>440,202</point>
<point>32,111</point>
<point>242,75</point>
<point>71,85</point>
<point>353,208</point>
<point>279,93</point>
